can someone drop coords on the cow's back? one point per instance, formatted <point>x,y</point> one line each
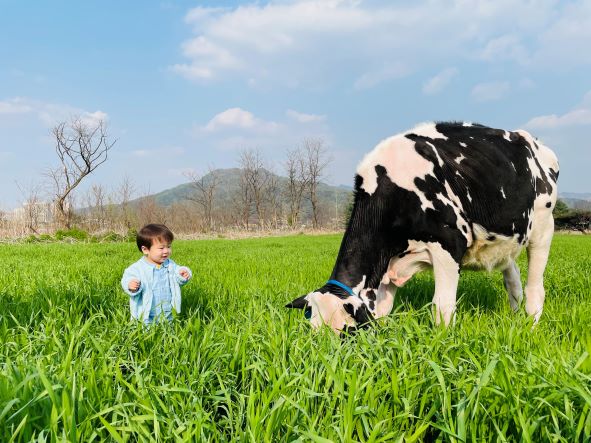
<point>499,176</point>
<point>488,183</point>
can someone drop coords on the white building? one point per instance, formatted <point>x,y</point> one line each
<point>36,212</point>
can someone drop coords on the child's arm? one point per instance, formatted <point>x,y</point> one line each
<point>183,275</point>
<point>131,282</point>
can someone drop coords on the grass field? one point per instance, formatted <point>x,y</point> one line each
<point>236,365</point>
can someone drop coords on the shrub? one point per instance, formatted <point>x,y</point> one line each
<point>561,209</point>
<point>575,220</point>
<point>31,239</point>
<point>131,235</point>
<point>111,237</point>
<point>74,234</point>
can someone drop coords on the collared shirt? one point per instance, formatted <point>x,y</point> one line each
<point>162,294</point>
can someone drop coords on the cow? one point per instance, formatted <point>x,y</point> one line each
<point>444,196</point>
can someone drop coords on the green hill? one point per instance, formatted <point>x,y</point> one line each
<point>229,184</point>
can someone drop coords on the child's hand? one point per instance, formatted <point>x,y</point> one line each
<point>185,274</point>
<point>134,285</point>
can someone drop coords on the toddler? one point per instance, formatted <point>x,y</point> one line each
<point>154,281</point>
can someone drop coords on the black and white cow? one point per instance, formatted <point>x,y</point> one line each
<point>444,196</point>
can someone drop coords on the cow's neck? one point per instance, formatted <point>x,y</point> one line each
<point>368,243</point>
<point>357,269</point>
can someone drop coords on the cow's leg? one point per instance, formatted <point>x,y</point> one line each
<point>538,250</point>
<point>447,273</point>
<point>512,281</point>
<point>385,298</point>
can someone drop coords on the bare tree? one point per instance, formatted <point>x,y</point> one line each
<point>273,193</point>
<point>316,162</point>
<point>228,211</point>
<point>96,202</point>
<point>149,211</point>
<point>125,192</point>
<point>203,193</point>
<point>242,200</point>
<point>183,217</point>
<point>297,183</point>
<point>81,146</point>
<point>256,178</point>
<point>32,210</point>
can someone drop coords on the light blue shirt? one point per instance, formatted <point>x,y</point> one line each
<point>151,293</point>
<point>162,295</point>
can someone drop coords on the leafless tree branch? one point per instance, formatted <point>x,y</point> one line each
<point>203,193</point>
<point>316,161</point>
<point>81,147</point>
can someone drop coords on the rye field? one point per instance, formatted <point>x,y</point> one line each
<point>237,366</point>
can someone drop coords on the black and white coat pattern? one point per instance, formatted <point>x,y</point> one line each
<point>444,196</point>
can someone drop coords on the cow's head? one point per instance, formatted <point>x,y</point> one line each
<point>333,306</point>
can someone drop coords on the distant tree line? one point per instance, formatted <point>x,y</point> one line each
<point>570,219</point>
<point>260,201</point>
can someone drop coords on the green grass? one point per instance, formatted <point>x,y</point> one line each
<point>236,365</point>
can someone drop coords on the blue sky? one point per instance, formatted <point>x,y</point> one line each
<point>185,86</point>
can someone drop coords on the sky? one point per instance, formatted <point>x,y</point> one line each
<point>186,86</point>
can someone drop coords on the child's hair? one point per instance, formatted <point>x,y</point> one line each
<point>149,233</point>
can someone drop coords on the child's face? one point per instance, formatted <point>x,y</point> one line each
<point>158,252</point>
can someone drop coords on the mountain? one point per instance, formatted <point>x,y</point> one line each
<point>576,200</point>
<point>575,195</point>
<point>229,184</point>
<point>577,203</point>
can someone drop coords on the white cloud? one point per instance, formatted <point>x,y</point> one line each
<point>15,105</point>
<point>387,73</point>
<point>505,47</point>
<point>565,42</point>
<point>485,92</point>
<point>215,57</point>
<point>236,128</point>
<point>577,117</point>
<point>302,43</point>
<point>304,118</point>
<point>141,153</point>
<point>48,113</point>
<point>567,134</point>
<point>193,72</point>
<point>197,15</point>
<point>237,118</point>
<point>93,118</point>
<point>436,84</point>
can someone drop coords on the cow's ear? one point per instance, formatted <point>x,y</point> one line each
<point>298,303</point>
